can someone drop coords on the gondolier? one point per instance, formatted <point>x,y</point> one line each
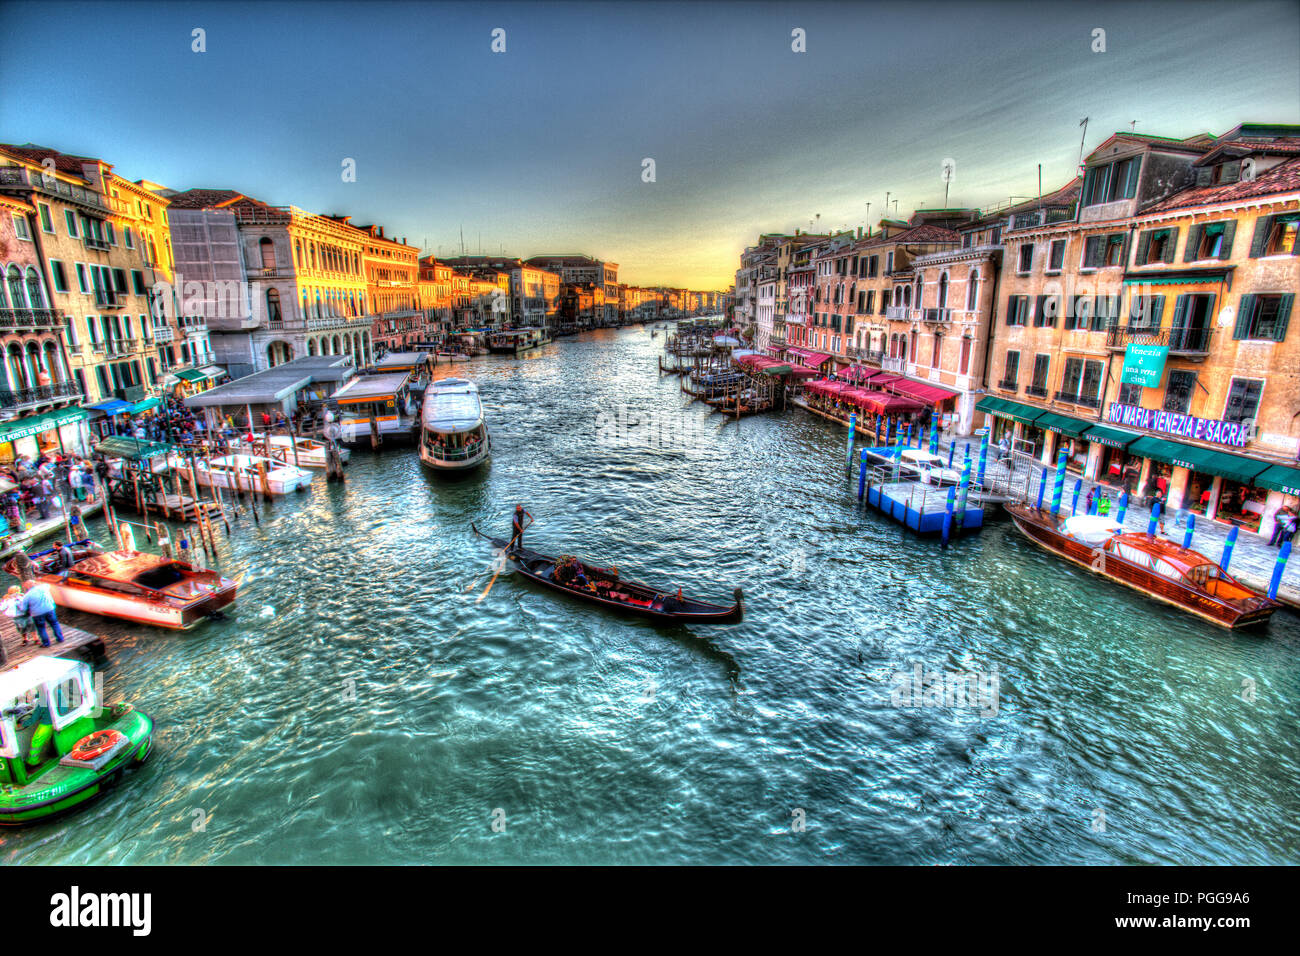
<point>517,526</point>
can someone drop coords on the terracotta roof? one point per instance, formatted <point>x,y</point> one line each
<point>1282,178</point>
<point>1281,146</point>
<point>916,234</point>
<point>204,198</point>
<point>63,162</point>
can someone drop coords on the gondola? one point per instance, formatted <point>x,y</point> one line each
<point>630,596</point>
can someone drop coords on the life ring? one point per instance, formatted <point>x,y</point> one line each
<point>97,744</point>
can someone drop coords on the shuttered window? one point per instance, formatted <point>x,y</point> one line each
<point>1263,317</point>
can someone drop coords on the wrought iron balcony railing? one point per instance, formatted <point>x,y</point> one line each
<point>1038,391</point>
<point>24,397</point>
<point>1179,338</point>
<point>29,319</point>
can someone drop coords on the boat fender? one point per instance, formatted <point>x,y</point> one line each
<point>96,744</point>
<point>121,709</point>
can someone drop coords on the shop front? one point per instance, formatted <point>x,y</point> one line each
<point>1071,438</point>
<point>1017,418</point>
<point>62,431</point>
<point>1109,458</point>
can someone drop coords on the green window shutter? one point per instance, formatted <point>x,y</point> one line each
<point>1193,240</point>
<point>1157,310</point>
<point>1262,226</point>
<point>1229,230</point>
<point>1180,311</point>
<point>1283,314</point>
<point>1124,249</point>
<point>1144,243</point>
<point>1171,245</point>
<point>1245,312</point>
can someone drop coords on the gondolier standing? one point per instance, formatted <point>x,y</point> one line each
<point>517,527</point>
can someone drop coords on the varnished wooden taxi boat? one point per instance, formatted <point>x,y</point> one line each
<point>1155,566</point>
<point>630,596</point>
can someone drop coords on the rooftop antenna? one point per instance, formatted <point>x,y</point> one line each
<point>886,202</point>
<point>868,220</point>
<point>1132,126</point>
<point>1082,139</point>
<point>462,240</point>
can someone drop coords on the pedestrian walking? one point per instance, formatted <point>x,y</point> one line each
<point>1284,526</point>
<point>12,608</point>
<point>38,603</point>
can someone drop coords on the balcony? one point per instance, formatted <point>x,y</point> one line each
<point>896,364</point>
<point>1041,217</point>
<point>163,334</point>
<point>94,243</point>
<point>1088,401</point>
<point>116,348</point>
<point>285,271</point>
<point>108,300</point>
<point>19,178</point>
<point>936,316</point>
<point>1009,386</point>
<point>29,319</point>
<point>40,395</point>
<point>899,312</point>
<point>1037,391</point>
<point>1180,339</point>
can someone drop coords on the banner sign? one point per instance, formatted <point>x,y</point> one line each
<point>1144,365</point>
<point>1184,426</point>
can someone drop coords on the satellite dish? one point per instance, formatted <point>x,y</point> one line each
<point>1226,316</point>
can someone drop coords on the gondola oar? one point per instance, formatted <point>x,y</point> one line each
<point>501,561</point>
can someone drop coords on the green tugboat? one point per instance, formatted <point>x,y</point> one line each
<point>58,747</point>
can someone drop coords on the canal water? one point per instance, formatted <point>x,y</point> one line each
<point>363,705</point>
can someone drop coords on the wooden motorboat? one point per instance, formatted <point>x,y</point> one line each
<point>453,435</point>
<point>241,472</point>
<point>59,746</point>
<point>134,586</point>
<point>310,452</point>
<point>609,590</point>
<point>1153,565</point>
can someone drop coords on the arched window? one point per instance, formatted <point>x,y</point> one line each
<point>943,291</point>
<point>16,368</point>
<point>267,248</point>
<point>273,312</point>
<point>973,291</point>
<point>54,363</point>
<point>35,293</point>
<point>16,298</point>
<point>311,346</point>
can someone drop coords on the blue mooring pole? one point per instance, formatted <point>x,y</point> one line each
<point>1058,483</point>
<point>1227,547</point>
<point>934,435</point>
<point>1278,567</point>
<point>1074,500</point>
<point>963,490</point>
<point>1042,486</point>
<point>951,449</point>
<point>1191,526</point>
<point>848,453</point>
<point>1155,516</point>
<point>947,516</point>
<point>1123,506</point>
<point>877,428</point>
<point>984,455</point>
<point>862,475</point>
<point>908,442</point>
<point>1096,500</point>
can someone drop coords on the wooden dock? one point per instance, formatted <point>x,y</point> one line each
<point>44,528</point>
<point>76,643</point>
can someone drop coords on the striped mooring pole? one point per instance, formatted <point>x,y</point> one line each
<point>1228,545</point>
<point>984,455</point>
<point>848,452</point>
<point>1058,482</point>
<point>1123,506</point>
<point>1155,517</point>
<point>947,516</point>
<point>908,442</point>
<point>934,435</point>
<point>877,428</point>
<point>963,489</point>
<point>1042,486</point>
<point>1074,499</point>
<point>1278,567</point>
<point>862,474</point>
<point>1191,526</point>
<point>951,449</point>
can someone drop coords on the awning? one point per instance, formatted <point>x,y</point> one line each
<point>1281,478</point>
<point>113,406</point>
<point>929,394</point>
<point>1207,460</point>
<point>1074,427</point>
<point>191,375</point>
<point>1114,437</point>
<point>144,406</point>
<point>133,449</point>
<point>811,359</point>
<point>1005,408</point>
<point>213,371</point>
<point>39,424</point>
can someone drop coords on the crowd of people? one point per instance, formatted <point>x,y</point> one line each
<point>41,487</point>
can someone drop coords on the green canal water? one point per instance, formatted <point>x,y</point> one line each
<point>361,705</point>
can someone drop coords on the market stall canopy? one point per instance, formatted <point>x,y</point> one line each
<point>191,375</point>
<point>39,424</point>
<point>146,405</point>
<point>213,371</point>
<point>929,394</point>
<point>112,406</point>
<point>132,449</point>
<point>811,359</point>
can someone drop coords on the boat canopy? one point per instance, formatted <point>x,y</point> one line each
<point>1091,529</point>
<point>50,676</point>
<point>452,405</point>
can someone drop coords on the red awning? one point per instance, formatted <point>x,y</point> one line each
<point>884,378</point>
<point>811,359</point>
<point>929,394</point>
<point>858,373</point>
<point>799,371</point>
<point>885,403</point>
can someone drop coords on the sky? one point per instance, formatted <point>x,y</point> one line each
<point>542,148</point>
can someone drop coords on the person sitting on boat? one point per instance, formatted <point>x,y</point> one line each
<point>64,560</point>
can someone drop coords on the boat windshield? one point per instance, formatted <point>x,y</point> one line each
<point>157,578</point>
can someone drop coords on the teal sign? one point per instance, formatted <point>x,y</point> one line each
<point>1144,365</point>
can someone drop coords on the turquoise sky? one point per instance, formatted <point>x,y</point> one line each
<point>541,148</point>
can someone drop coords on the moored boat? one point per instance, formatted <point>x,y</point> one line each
<point>58,746</point>
<point>1153,565</point>
<point>134,586</point>
<point>453,434</point>
<point>517,341</point>
<point>241,472</point>
<point>310,453</point>
<point>606,588</point>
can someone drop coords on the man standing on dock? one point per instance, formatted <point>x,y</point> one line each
<point>38,603</point>
<point>517,527</point>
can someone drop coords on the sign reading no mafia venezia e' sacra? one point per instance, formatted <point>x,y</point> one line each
<point>1144,365</point>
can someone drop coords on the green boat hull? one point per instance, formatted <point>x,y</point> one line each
<point>55,789</point>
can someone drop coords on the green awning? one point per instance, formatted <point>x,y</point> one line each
<point>39,424</point>
<point>1236,467</point>
<point>1074,427</point>
<point>1281,478</point>
<point>776,370</point>
<point>144,406</point>
<point>133,449</point>
<point>1005,408</point>
<point>1114,437</point>
<point>1175,280</point>
<point>190,375</point>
